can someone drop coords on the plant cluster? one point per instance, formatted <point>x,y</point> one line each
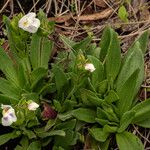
<point>86,96</point>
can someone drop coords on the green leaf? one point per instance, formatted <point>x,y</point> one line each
<point>93,50</point>
<point>123,14</point>
<point>60,77</point>
<point>110,129</point>
<point>58,148</point>
<point>40,51</point>
<point>30,134</point>
<point>17,39</point>
<point>84,114</point>
<point>135,60</point>
<point>34,145</point>
<point>101,114</point>
<point>68,105</point>
<point>65,116</point>
<point>6,137</point>
<point>99,134</point>
<point>57,105</point>
<point>23,71</point>
<point>102,121</point>
<point>69,43</point>
<point>98,74</point>
<point>67,125</point>
<point>143,40</point>
<point>126,93</point>
<point>4,99</point>
<point>126,140</point>
<point>75,47</point>
<point>142,112</point>
<point>104,43</point>
<point>111,97</point>
<point>107,114</point>
<point>46,51</point>
<point>69,139</point>
<point>8,89</point>
<point>31,96</point>
<point>24,144</point>
<point>126,119</point>
<point>50,124</point>
<point>144,123</point>
<point>37,75</point>
<point>8,67</point>
<point>103,86</point>
<point>90,98</point>
<point>51,133</point>
<point>105,145</point>
<point>18,147</point>
<point>46,26</point>
<point>82,45</point>
<point>113,57</point>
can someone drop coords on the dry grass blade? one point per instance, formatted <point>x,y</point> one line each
<point>5,5</point>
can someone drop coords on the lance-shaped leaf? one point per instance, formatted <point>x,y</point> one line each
<point>133,60</point>
<point>34,145</point>
<point>144,123</point>
<point>37,75</point>
<point>126,140</point>
<point>85,114</point>
<point>51,133</point>
<point>8,89</point>
<point>143,40</point>
<point>6,137</point>
<point>126,93</point>
<point>126,119</point>
<point>142,115</point>
<point>8,67</point>
<point>98,74</point>
<point>60,77</point>
<point>40,51</point>
<point>104,43</point>
<point>111,97</point>
<point>99,134</point>
<point>111,53</point>
<point>90,98</point>
<point>68,42</point>
<point>16,41</point>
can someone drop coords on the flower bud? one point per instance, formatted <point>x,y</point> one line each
<point>32,105</point>
<point>89,67</point>
<point>48,112</point>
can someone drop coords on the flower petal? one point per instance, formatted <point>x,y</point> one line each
<point>5,106</point>
<point>13,117</point>
<point>6,121</point>
<point>29,23</point>
<point>36,23</point>
<point>31,15</point>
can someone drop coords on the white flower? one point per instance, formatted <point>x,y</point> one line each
<point>29,23</point>
<point>9,115</point>
<point>32,105</point>
<point>89,67</point>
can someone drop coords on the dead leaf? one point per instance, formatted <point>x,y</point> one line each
<point>95,16</point>
<point>100,3</point>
